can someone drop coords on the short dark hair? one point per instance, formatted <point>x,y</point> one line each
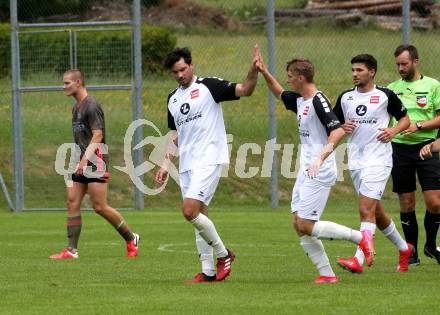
<point>77,74</point>
<point>176,54</point>
<point>302,67</point>
<point>412,50</point>
<point>367,60</point>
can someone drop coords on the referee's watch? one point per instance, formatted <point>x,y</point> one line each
<point>419,125</point>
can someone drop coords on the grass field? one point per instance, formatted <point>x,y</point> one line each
<point>271,274</point>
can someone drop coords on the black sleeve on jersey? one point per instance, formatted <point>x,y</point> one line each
<point>95,116</point>
<point>289,99</point>
<point>338,110</point>
<point>220,90</point>
<point>171,123</point>
<point>325,114</point>
<point>395,107</point>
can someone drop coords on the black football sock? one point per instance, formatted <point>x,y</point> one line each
<point>410,227</point>
<point>432,222</point>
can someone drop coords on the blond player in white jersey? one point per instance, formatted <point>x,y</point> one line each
<point>319,132</point>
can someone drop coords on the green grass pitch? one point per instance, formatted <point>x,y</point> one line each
<point>271,274</point>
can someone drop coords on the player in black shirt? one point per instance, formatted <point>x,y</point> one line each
<point>91,174</point>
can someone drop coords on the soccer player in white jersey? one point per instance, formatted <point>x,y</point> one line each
<point>320,132</point>
<point>364,112</point>
<point>194,111</point>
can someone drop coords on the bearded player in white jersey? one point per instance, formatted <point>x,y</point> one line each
<point>320,132</point>
<point>195,112</point>
<point>365,112</point>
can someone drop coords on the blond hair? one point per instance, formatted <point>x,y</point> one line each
<point>302,67</point>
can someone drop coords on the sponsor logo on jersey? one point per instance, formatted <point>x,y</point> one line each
<point>189,118</point>
<point>195,94</point>
<point>374,99</point>
<point>367,120</point>
<point>306,110</point>
<point>333,123</point>
<point>422,100</point>
<point>361,110</point>
<point>184,109</point>
<point>304,133</point>
<point>350,98</point>
<point>78,126</point>
<point>175,100</point>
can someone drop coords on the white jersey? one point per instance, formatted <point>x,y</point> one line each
<point>370,111</point>
<point>195,112</point>
<point>315,122</point>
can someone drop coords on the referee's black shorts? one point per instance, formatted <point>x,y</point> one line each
<point>407,162</point>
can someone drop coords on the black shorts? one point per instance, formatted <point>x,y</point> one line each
<point>407,162</point>
<point>85,180</point>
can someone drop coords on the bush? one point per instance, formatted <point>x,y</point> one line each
<point>30,9</point>
<point>157,42</point>
<point>150,3</point>
<point>49,52</point>
<point>5,50</point>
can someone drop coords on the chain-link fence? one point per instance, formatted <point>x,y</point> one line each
<point>42,51</point>
<point>221,35</point>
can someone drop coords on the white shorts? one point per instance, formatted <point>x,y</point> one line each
<point>201,183</point>
<point>309,197</point>
<point>371,181</point>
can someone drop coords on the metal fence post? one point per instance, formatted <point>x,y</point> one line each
<point>272,113</point>
<point>137,95</point>
<point>16,111</point>
<point>406,21</point>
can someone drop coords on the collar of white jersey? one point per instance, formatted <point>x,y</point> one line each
<point>357,91</point>
<point>193,81</point>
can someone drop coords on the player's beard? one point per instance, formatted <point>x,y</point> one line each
<point>408,76</point>
<point>186,81</point>
<point>360,84</point>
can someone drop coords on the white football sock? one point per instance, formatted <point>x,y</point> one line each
<point>205,254</point>
<point>359,253</point>
<point>315,250</point>
<point>394,236</point>
<point>208,232</point>
<point>331,230</point>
